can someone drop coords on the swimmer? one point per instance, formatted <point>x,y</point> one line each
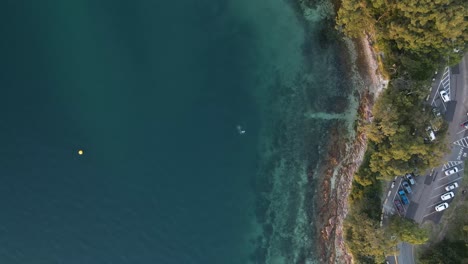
<point>240,130</point>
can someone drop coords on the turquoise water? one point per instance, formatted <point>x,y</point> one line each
<point>152,92</point>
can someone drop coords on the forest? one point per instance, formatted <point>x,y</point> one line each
<point>414,36</point>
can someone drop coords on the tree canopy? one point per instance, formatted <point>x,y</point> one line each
<point>407,230</point>
<point>368,242</point>
<point>445,252</point>
<point>422,27</point>
<point>399,131</point>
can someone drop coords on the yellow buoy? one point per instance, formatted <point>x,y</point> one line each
<point>80,152</point>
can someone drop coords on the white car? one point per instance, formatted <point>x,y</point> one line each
<point>447,196</point>
<point>441,207</point>
<point>444,96</point>
<point>451,186</point>
<point>451,171</point>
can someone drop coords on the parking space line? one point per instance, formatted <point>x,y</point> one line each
<point>437,93</point>
<point>396,191</point>
<point>444,177</point>
<point>448,183</point>
<point>429,214</point>
<point>435,196</point>
<point>450,175</point>
<point>439,202</point>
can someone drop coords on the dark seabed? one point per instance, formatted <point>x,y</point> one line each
<point>152,91</point>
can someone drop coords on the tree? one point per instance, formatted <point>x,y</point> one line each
<point>355,18</point>
<point>418,32</point>
<point>407,231</point>
<point>399,132</point>
<point>445,252</point>
<point>425,26</point>
<point>366,240</point>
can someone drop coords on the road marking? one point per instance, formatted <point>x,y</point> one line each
<point>429,214</point>
<point>450,175</point>
<point>444,77</point>
<point>396,190</point>
<point>399,198</point>
<point>448,183</point>
<point>445,83</point>
<point>445,108</point>
<point>451,164</point>
<point>435,196</point>
<point>462,142</point>
<point>439,202</point>
<point>446,80</point>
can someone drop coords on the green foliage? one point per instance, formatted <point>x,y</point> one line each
<point>407,231</point>
<point>446,252</point>
<point>399,132</point>
<point>354,18</point>
<point>414,36</point>
<point>396,147</point>
<point>364,237</point>
<point>366,240</point>
<point>366,189</point>
<point>423,26</point>
<point>418,33</point>
<point>418,67</point>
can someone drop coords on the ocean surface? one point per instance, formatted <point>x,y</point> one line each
<point>153,92</point>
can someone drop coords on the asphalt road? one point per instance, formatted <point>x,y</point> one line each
<point>428,188</point>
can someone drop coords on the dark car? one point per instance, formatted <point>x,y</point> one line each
<point>464,124</point>
<point>404,199</point>
<point>406,186</point>
<point>399,207</point>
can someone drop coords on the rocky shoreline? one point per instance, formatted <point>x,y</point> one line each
<point>344,156</point>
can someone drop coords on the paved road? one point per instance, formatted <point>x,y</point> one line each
<point>428,189</point>
<point>406,253</point>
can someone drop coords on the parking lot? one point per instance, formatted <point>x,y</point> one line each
<point>438,190</point>
<point>426,193</point>
<point>449,99</point>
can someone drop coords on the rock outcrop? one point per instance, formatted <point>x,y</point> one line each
<point>345,155</point>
